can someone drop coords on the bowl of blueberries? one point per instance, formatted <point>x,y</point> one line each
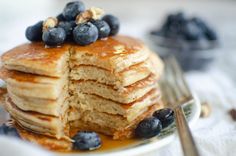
<point>190,39</point>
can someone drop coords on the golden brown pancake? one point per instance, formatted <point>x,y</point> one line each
<point>122,95</point>
<point>37,59</point>
<point>36,122</point>
<point>31,85</point>
<point>129,111</point>
<point>114,54</point>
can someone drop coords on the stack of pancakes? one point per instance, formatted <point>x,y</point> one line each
<point>108,86</point>
<point>37,85</point>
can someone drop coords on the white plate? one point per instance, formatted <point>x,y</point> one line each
<point>192,112</point>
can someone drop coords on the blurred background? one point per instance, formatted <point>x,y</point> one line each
<point>214,84</point>
<point>138,18</point>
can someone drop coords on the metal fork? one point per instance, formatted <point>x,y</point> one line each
<point>177,94</point>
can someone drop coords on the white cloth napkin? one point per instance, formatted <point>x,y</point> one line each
<point>215,135</point>
<point>10,146</point>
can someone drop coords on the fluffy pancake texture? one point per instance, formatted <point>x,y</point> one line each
<point>35,58</point>
<point>36,122</point>
<point>31,85</point>
<point>108,86</point>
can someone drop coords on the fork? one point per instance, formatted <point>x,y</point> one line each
<point>176,94</point>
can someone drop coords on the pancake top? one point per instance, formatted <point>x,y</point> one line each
<point>112,46</point>
<point>37,59</point>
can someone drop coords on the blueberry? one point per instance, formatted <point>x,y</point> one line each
<point>72,9</point>
<point>54,36</point>
<point>192,32</point>
<point>8,131</point>
<point>86,140</point>
<point>34,32</point>
<point>173,26</point>
<point>60,17</point>
<point>209,32</point>
<point>113,22</point>
<point>148,128</point>
<point>68,27</point>
<point>166,116</point>
<point>103,28</point>
<point>85,33</point>
<point>199,22</point>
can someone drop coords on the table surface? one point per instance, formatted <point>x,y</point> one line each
<point>214,135</point>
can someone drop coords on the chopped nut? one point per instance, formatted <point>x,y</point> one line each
<point>92,13</point>
<point>232,113</point>
<point>96,12</point>
<point>83,17</point>
<point>205,110</point>
<point>50,22</point>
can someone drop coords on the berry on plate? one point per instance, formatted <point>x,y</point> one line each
<point>148,128</point>
<point>86,140</point>
<point>8,131</point>
<point>166,116</point>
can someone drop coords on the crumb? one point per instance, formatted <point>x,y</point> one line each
<point>205,110</point>
<point>232,113</point>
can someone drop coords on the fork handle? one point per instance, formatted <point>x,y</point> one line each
<point>186,138</point>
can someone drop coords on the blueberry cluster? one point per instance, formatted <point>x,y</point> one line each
<point>152,126</point>
<point>55,31</point>
<point>86,140</point>
<point>177,26</point>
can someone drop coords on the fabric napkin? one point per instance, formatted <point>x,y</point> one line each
<point>10,146</point>
<point>215,135</point>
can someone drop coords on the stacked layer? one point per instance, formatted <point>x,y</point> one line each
<point>114,85</point>
<point>38,103</point>
<point>108,86</point>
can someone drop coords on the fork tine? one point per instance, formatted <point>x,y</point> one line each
<point>169,92</point>
<point>181,83</point>
<point>173,80</point>
<point>175,88</point>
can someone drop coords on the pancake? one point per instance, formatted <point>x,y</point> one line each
<point>38,123</point>
<point>129,111</point>
<point>30,85</point>
<point>125,95</point>
<point>116,122</point>
<point>44,106</point>
<point>120,79</point>
<point>35,58</point>
<point>114,54</point>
